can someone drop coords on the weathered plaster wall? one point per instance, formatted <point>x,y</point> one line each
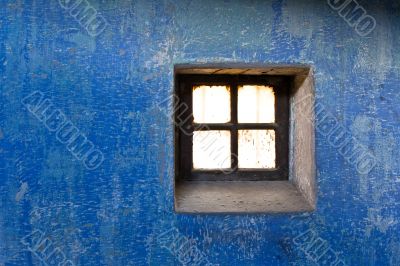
<point>109,87</point>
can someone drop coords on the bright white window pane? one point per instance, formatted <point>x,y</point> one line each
<point>211,104</point>
<point>212,149</point>
<point>256,148</point>
<point>256,104</point>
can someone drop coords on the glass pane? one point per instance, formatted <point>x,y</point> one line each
<point>211,149</point>
<point>211,104</point>
<point>256,148</point>
<point>256,104</point>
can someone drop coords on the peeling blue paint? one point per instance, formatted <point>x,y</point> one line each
<point>110,87</point>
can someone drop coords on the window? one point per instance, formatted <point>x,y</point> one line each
<point>232,127</point>
<point>244,139</point>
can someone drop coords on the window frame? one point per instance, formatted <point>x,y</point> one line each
<point>184,127</point>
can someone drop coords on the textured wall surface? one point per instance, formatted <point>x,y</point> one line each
<point>110,80</point>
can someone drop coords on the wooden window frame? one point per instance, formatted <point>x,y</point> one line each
<point>184,127</point>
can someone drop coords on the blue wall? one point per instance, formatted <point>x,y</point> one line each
<point>110,83</point>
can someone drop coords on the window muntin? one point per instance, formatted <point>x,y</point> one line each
<point>264,158</point>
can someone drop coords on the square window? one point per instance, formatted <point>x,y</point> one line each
<point>236,127</point>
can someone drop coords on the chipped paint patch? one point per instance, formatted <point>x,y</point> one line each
<point>22,191</point>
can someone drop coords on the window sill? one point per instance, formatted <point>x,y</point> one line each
<point>239,197</point>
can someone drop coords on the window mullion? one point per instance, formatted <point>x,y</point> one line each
<point>234,131</point>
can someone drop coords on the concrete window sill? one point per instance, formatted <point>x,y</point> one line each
<point>239,197</point>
